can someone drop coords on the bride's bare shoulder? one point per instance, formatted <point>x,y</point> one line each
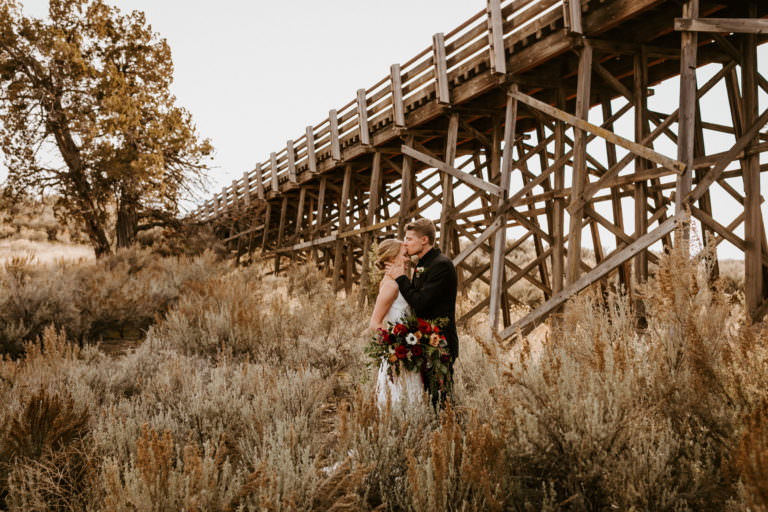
<point>387,283</point>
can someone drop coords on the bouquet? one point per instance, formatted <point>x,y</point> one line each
<point>413,344</point>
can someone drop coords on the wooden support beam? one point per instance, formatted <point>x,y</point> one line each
<point>500,237</point>
<point>572,16</point>
<point>396,84</point>
<point>497,55</point>
<point>362,118</point>
<point>407,180</point>
<point>280,231</point>
<point>373,203</point>
<point>687,119</point>
<point>447,189</point>
<point>633,147</point>
<point>343,205</point>
<point>442,89</point>
<point>463,176</point>
<point>754,232</point>
<point>558,214</point>
<point>723,25</point>
<point>528,322</point>
<point>300,210</point>
<point>640,100</point>
<point>579,162</point>
<point>333,118</point>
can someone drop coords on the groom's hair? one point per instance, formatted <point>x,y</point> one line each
<point>424,227</point>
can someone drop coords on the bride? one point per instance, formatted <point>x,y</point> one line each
<point>391,307</point>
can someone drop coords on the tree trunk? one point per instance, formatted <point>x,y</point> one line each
<point>127,222</point>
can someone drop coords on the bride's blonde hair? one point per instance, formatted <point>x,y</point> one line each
<point>387,251</point>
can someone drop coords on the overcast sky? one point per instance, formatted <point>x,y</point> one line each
<point>255,73</point>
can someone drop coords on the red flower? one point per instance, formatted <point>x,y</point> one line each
<point>416,350</point>
<point>435,329</point>
<point>386,338</point>
<point>424,327</point>
<point>400,330</point>
<point>401,352</point>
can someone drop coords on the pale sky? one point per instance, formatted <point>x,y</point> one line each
<point>255,74</point>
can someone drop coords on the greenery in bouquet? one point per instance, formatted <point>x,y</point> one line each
<point>416,345</point>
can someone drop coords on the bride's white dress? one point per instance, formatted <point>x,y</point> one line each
<point>408,384</point>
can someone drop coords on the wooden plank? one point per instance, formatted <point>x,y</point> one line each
<point>579,163</point>
<point>291,161</point>
<point>721,25</point>
<point>396,84</point>
<point>442,89</point>
<point>343,207</point>
<point>572,12</point>
<point>500,237</point>
<point>362,118</point>
<point>528,322</point>
<point>267,219</point>
<point>333,118</point>
<point>498,60</point>
<point>311,156</point>
<point>274,187</point>
<point>280,231</point>
<point>633,147</point>
<point>464,176</point>
<point>558,215</point>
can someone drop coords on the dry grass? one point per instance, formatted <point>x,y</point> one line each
<point>244,398</point>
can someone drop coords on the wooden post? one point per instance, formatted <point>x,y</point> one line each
<point>280,230</point>
<point>447,190</point>
<point>558,221</point>
<point>362,118</point>
<point>405,190</point>
<point>754,232</point>
<point>291,161</point>
<point>686,120</point>
<point>640,94</point>
<point>343,204</point>
<point>265,233</point>
<point>373,204</point>
<point>496,37</point>
<point>579,163</point>
<point>259,181</point>
<point>300,210</point>
<point>442,90</point>
<point>320,217</point>
<point>311,157</point>
<point>500,237</point>
<point>247,188</point>
<point>275,187</point>
<point>396,83</point>
<point>333,117</point>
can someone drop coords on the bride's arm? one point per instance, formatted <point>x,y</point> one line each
<point>387,294</point>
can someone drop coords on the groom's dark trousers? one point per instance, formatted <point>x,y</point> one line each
<point>432,294</point>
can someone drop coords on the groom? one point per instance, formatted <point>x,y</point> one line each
<point>432,291</point>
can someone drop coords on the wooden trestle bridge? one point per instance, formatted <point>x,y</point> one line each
<point>490,124</point>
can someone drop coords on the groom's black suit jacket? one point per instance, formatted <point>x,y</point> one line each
<point>432,294</point>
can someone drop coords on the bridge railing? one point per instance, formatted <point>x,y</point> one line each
<point>452,58</point>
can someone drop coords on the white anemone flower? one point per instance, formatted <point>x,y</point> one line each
<point>411,339</point>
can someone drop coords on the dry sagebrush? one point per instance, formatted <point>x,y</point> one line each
<point>252,394</point>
